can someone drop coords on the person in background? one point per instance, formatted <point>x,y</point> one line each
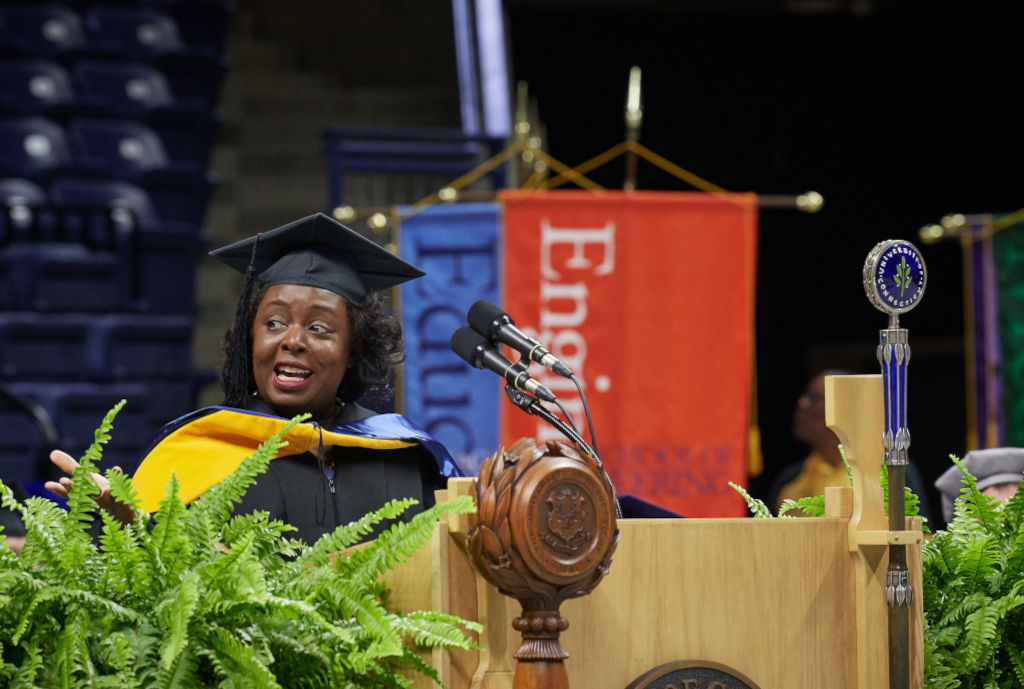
<point>823,466</point>
<point>998,471</point>
<point>311,334</point>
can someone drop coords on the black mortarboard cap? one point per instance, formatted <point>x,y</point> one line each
<point>318,251</point>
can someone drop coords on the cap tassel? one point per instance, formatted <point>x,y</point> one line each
<point>237,371</point>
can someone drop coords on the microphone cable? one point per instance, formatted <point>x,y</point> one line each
<point>586,411</point>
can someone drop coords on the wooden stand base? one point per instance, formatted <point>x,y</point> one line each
<point>540,674</point>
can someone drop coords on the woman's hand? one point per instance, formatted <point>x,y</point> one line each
<point>66,463</point>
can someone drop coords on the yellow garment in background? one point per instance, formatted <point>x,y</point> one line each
<point>816,475</point>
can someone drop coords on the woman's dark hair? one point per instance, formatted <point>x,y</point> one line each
<point>376,346</point>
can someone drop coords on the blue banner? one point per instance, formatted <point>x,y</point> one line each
<point>459,248</point>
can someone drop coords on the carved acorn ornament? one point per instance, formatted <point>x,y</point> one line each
<point>546,526</point>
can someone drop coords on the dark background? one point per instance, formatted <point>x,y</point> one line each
<point>898,113</point>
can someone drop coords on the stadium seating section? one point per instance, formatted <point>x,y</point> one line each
<point>107,120</point>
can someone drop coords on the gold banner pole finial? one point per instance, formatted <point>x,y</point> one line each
<point>634,118</point>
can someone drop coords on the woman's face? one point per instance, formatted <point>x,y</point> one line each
<point>301,347</point>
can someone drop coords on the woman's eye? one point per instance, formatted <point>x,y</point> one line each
<point>274,324</point>
<point>320,329</point>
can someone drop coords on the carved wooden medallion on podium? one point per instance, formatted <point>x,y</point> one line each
<point>546,531</point>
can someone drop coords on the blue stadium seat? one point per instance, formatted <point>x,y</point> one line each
<point>123,149</point>
<point>136,90</point>
<point>78,408</point>
<point>139,31</point>
<point>160,253</point>
<point>36,87</point>
<point>20,205</point>
<point>172,398</point>
<point>125,206</point>
<point>403,156</point>
<point>44,29</point>
<point>140,347</point>
<point>33,147</point>
<point>62,277</point>
<point>200,22</point>
<point>129,87</point>
<point>49,346</point>
<point>76,346</point>
<point>27,438</point>
<point>166,265</point>
<point>134,152</point>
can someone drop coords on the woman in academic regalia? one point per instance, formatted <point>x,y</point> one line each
<point>311,334</point>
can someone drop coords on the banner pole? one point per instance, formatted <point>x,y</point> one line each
<point>634,118</point>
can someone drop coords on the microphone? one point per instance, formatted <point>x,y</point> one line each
<point>494,324</point>
<point>478,352</point>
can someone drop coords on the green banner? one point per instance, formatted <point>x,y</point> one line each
<point>1008,249</point>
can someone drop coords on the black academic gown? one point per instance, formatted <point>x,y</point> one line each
<point>331,477</point>
<point>316,497</point>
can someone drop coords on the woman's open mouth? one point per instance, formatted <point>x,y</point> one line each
<point>291,376</point>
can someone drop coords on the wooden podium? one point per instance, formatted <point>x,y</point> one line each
<point>778,603</point>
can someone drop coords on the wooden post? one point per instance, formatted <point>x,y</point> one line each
<point>853,410</point>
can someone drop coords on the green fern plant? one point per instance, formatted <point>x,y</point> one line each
<point>973,575</point>
<point>197,597</point>
<point>814,506</point>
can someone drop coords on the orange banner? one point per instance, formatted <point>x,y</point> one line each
<point>649,298</point>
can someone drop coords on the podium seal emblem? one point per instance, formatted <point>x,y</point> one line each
<point>894,276</point>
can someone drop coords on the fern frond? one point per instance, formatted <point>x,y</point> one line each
<point>431,629</point>
<point>947,636</point>
<point>26,674</point>
<point>1015,654</point>
<point>169,535</point>
<point>236,575</point>
<point>976,505</point>
<point>412,660</point>
<point>123,491</point>
<point>44,532</point>
<point>287,608</point>
<point>353,600</point>
<point>84,489</point>
<point>1013,511</point>
<point>116,653</point>
<point>176,614</point>
<point>811,506</point>
<point>101,436</point>
<point>756,506</point>
<point>121,548</point>
<point>181,675</point>
<point>238,661</point>
<point>962,607</point>
<point>399,542</point>
<point>346,535</point>
<point>1013,559</point>
<point>300,659</point>
<point>846,463</point>
<point>980,631</point>
<point>978,561</point>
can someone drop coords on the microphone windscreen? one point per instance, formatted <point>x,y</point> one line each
<point>466,342</point>
<point>485,318</point>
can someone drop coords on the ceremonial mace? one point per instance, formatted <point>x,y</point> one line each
<point>894,280</point>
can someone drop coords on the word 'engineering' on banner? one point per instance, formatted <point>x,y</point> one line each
<point>649,298</point>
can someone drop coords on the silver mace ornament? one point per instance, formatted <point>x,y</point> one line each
<point>894,280</point>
